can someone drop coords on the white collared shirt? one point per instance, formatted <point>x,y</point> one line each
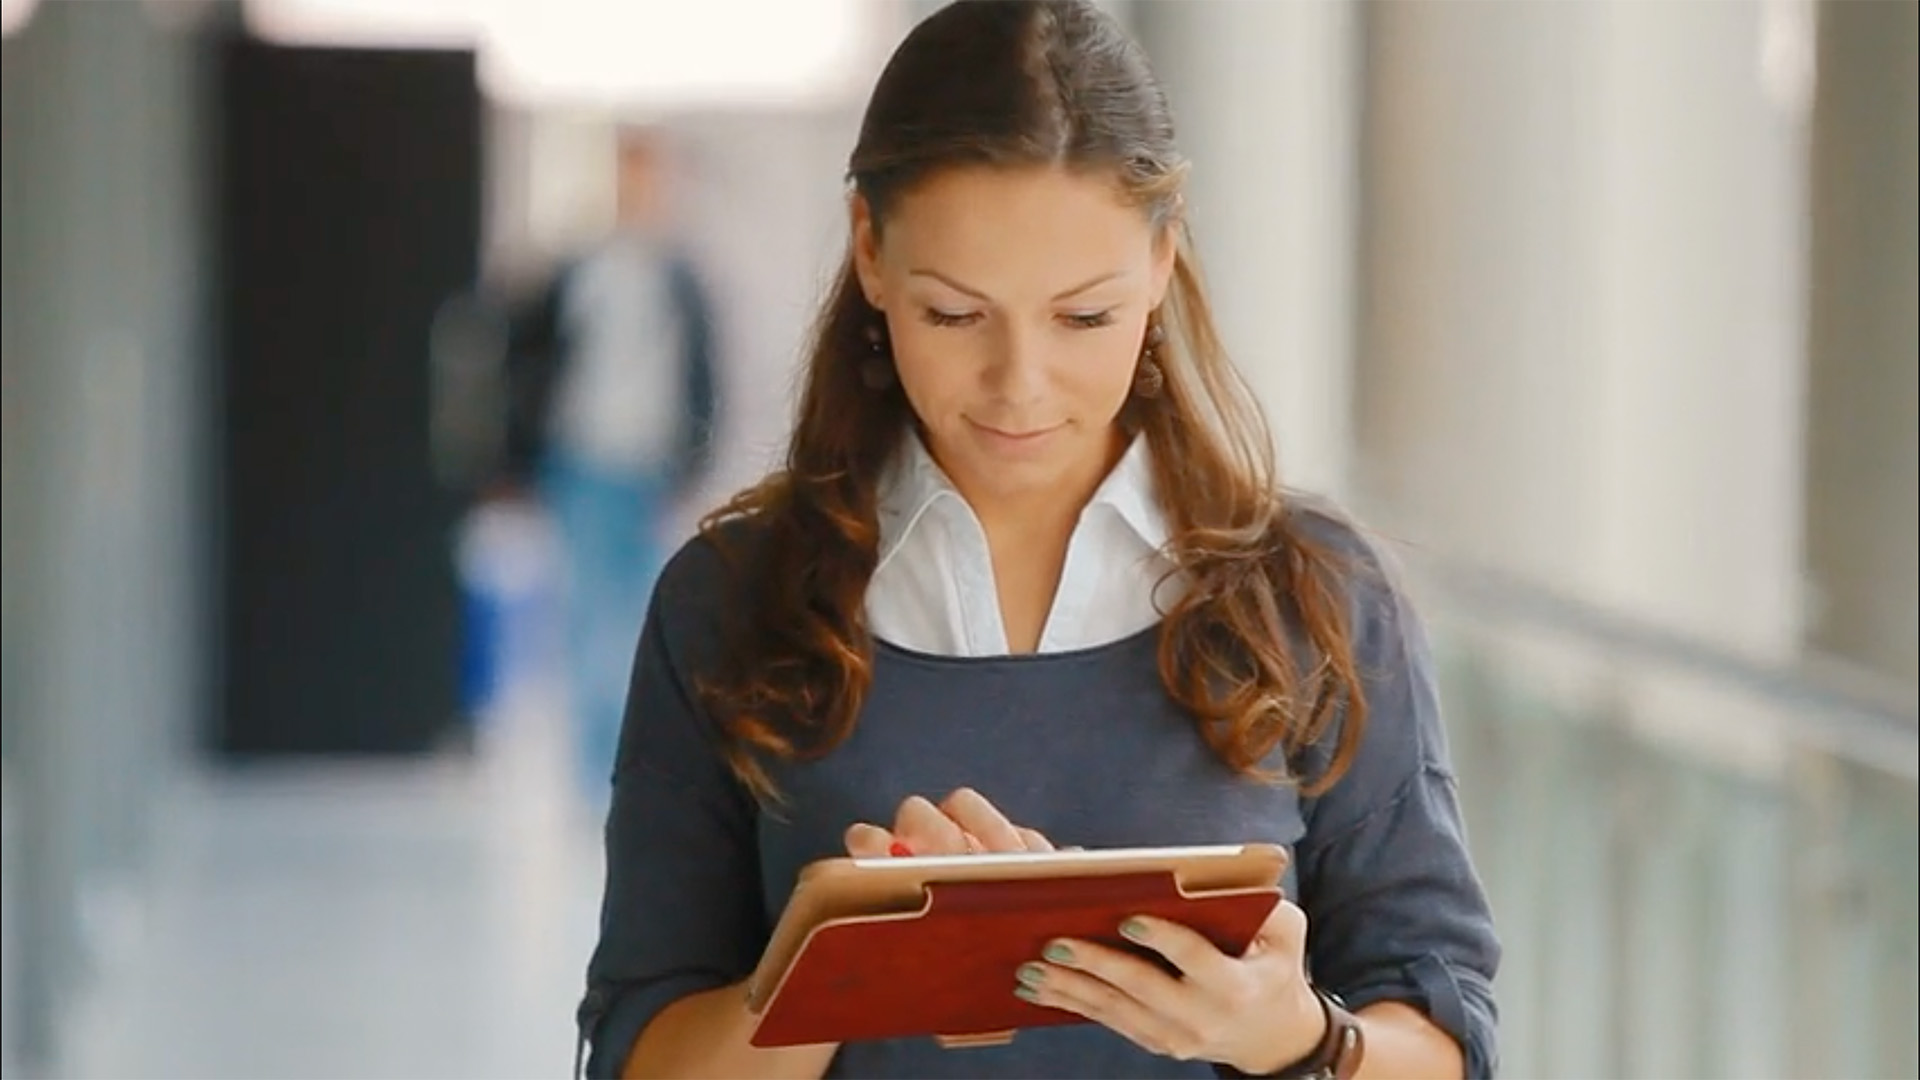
<point>933,590</point>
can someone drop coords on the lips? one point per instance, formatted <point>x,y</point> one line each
<point>1017,435</point>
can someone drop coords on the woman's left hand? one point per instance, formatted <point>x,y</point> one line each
<point>1255,1012</point>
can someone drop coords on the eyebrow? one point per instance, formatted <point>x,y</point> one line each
<point>978,295</point>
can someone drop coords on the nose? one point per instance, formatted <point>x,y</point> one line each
<point>1016,373</point>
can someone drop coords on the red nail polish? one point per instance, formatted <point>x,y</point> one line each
<point>899,850</point>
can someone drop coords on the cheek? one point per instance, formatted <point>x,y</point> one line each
<point>1081,364</point>
<point>935,366</point>
<point>1090,372</point>
<point>1097,367</point>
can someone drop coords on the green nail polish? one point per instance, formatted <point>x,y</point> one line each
<point>1058,953</point>
<point>1134,930</point>
<point>1031,974</point>
<point>1026,993</point>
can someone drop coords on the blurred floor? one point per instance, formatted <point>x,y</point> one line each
<point>342,921</point>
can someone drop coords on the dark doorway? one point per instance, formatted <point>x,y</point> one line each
<point>349,210</point>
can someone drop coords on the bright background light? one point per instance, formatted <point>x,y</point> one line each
<point>412,24</point>
<point>14,14</point>
<point>651,54</point>
<point>667,53</point>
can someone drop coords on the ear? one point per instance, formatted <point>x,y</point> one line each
<point>865,241</point>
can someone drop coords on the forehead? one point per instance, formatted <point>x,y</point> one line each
<point>1000,224</point>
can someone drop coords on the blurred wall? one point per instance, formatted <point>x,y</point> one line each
<point>766,210</point>
<point>550,187</point>
<point>1863,527</point>
<point>1583,296</point>
<point>106,495</point>
<point>1265,107</point>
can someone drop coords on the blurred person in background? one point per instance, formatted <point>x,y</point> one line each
<point>1028,579</point>
<point>612,407</point>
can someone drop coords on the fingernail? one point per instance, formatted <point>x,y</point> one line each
<point>1026,993</point>
<point>1134,930</point>
<point>1058,953</point>
<point>1031,974</point>
<point>899,850</point>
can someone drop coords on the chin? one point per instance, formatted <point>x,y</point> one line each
<point>1026,474</point>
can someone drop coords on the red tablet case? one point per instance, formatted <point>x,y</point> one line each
<point>948,970</point>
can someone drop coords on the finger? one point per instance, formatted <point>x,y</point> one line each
<point>1183,947</point>
<point>923,827</point>
<point>1184,1001</point>
<point>1058,986</point>
<point>1034,841</point>
<point>866,841</point>
<point>977,816</point>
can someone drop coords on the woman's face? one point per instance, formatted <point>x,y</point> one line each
<point>1016,302</point>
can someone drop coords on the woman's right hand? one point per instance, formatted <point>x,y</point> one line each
<point>964,823</point>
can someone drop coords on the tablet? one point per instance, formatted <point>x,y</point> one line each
<point>929,945</point>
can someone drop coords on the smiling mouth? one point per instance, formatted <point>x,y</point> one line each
<point>1003,433</point>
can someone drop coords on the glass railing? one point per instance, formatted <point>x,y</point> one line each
<point>1700,868</point>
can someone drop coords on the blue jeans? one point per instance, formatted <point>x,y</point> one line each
<point>610,527</point>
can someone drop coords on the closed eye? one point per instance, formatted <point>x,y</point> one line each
<point>1089,320</point>
<point>937,317</point>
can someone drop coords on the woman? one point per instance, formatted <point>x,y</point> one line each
<point>1027,580</point>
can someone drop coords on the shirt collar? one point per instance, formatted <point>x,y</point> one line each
<point>1130,491</point>
<point>914,483</point>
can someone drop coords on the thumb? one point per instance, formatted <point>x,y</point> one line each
<point>1284,932</point>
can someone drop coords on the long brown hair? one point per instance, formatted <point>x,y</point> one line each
<point>1258,650</point>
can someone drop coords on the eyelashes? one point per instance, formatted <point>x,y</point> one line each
<point>1092,320</point>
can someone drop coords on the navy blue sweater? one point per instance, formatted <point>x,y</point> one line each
<point>1084,746</point>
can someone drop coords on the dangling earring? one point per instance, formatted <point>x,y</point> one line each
<point>1148,379</point>
<point>877,370</point>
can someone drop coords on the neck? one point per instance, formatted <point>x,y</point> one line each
<point>1031,525</point>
